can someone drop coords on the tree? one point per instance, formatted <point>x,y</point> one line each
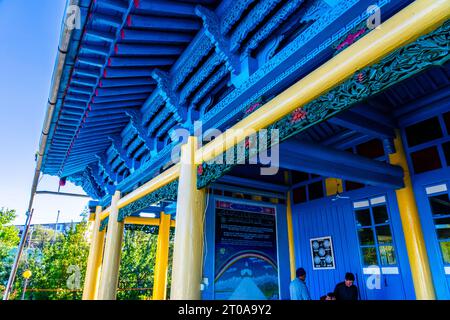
<point>137,263</point>
<point>58,263</point>
<point>58,266</point>
<point>137,266</point>
<point>9,240</point>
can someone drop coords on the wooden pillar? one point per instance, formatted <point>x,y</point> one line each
<point>412,229</point>
<point>94,264</point>
<point>290,226</point>
<point>188,246</point>
<point>113,247</point>
<point>290,234</point>
<point>162,259</point>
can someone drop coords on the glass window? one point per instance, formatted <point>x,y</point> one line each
<point>375,235</point>
<point>440,204</point>
<point>380,214</point>
<point>315,190</point>
<point>350,185</point>
<point>298,176</point>
<point>299,195</point>
<point>384,234</point>
<point>363,218</point>
<point>369,255</point>
<point>426,160</point>
<point>442,228</point>
<point>423,131</point>
<point>387,255</point>
<point>447,121</point>
<point>371,149</point>
<point>445,248</point>
<point>366,236</point>
<point>446,149</point>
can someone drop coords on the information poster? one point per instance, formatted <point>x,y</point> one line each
<point>322,253</point>
<point>245,252</point>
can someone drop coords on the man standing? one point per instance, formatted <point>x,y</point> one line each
<point>346,290</point>
<point>298,288</point>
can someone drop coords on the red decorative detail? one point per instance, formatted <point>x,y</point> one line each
<point>200,170</point>
<point>116,49</point>
<point>136,3</point>
<point>298,114</point>
<point>252,107</point>
<point>129,20</point>
<point>247,143</point>
<point>361,77</point>
<point>351,38</point>
<point>62,182</point>
<point>122,33</point>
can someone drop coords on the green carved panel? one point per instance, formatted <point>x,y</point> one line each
<point>168,192</point>
<point>427,51</point>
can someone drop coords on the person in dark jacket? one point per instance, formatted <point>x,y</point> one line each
<point>346,290</point>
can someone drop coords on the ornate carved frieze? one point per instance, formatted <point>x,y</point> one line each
<point>275,22</point>
<point>312,31</point>
<point>250,23</point>
<point>211,24</point>
<point>116,146</point>
<point>168,192</point>
<point>429,50</point>
<point>170,97</point>
<point>136,123</point>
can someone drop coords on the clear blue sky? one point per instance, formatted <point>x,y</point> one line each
<point>28,45</point>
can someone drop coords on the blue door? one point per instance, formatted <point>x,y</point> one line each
<point>377,248</point>
<point>367,240</point>
<point>433,199</point>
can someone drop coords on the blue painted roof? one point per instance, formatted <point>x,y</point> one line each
<point>139,69</point>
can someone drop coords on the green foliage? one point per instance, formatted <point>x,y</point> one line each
<point>58,264</point>
<point>9,239</point>
<point>58,261</point>
<point>137,265</point>
<point>138,262</point>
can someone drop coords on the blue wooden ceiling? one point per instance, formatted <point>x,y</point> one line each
<point>139,69</point>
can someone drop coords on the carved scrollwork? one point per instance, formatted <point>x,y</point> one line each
<point>167,192</point>
<point>427,51</point>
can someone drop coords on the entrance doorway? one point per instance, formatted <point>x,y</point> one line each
<point>365,230</point>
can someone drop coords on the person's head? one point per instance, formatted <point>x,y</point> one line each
<point>301,273</point>
<point>349,279</point>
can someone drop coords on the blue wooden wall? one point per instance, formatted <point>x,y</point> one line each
<point>312,220</point>
<point>325,217</point>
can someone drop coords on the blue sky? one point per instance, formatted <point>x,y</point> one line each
<point>28,45</point>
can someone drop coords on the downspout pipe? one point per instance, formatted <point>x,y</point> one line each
<point>63,48</point>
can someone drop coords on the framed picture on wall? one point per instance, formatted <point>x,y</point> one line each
<point>322,253</point>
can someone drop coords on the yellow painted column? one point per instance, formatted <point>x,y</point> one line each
<point>333,186</point>
<point>290,226</point>
<point>188,245</point>
<point>94,264</point>
<point>412,229</point>
<point>290,234</point>
<point>111,261</point>
<point>162,259</point>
